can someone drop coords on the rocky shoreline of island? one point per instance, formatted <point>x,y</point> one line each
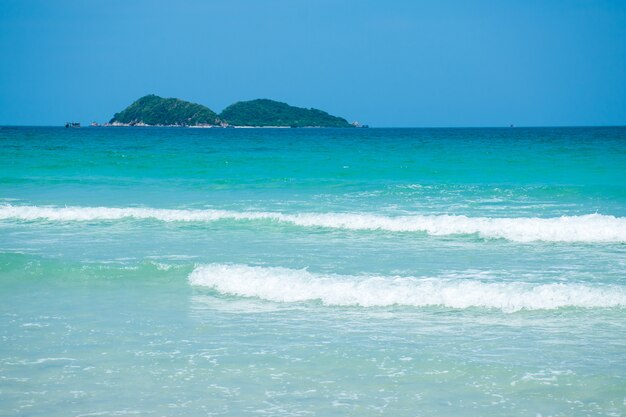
<point>95,124</point>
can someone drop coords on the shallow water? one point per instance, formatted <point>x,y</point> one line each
<point>400,272</point>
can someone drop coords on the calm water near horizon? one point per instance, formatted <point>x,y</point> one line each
<point>327,272</point>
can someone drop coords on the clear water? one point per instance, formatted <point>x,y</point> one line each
<point>365,272</point>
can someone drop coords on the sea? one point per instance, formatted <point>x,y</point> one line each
<point>312,272</point>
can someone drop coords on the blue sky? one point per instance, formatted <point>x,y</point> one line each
<point>386,63</point>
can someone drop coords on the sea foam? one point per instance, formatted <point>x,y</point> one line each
<point>583,228</point>
<point>298,285</point>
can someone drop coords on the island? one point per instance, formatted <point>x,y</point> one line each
<point>270,113</point>
<point>152,110</point>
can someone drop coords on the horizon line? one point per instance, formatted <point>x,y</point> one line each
<point>349,128</point>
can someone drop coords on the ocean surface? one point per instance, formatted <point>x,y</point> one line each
<point>312,272</point>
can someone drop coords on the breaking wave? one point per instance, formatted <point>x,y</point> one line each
<point>297,285</point>
<point>584,228</point>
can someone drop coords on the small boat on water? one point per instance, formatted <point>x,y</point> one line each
<point>72,124</point>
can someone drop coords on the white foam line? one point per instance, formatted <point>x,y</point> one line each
<point>584,228</point>
<point>294,285</point>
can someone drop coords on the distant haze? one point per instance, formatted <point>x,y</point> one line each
<point>397,63</point>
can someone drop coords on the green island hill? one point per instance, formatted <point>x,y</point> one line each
<point>264,112</point>
<point>152,110</point>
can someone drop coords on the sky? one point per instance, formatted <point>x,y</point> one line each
<point>437,63</point>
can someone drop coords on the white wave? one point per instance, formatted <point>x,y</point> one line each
<point>297,285</point>
<point>584,228</point>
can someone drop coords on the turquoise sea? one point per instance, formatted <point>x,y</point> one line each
<point>312,272</point>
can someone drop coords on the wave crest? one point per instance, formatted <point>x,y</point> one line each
<point>296,285</point>
<point>584,228</point>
